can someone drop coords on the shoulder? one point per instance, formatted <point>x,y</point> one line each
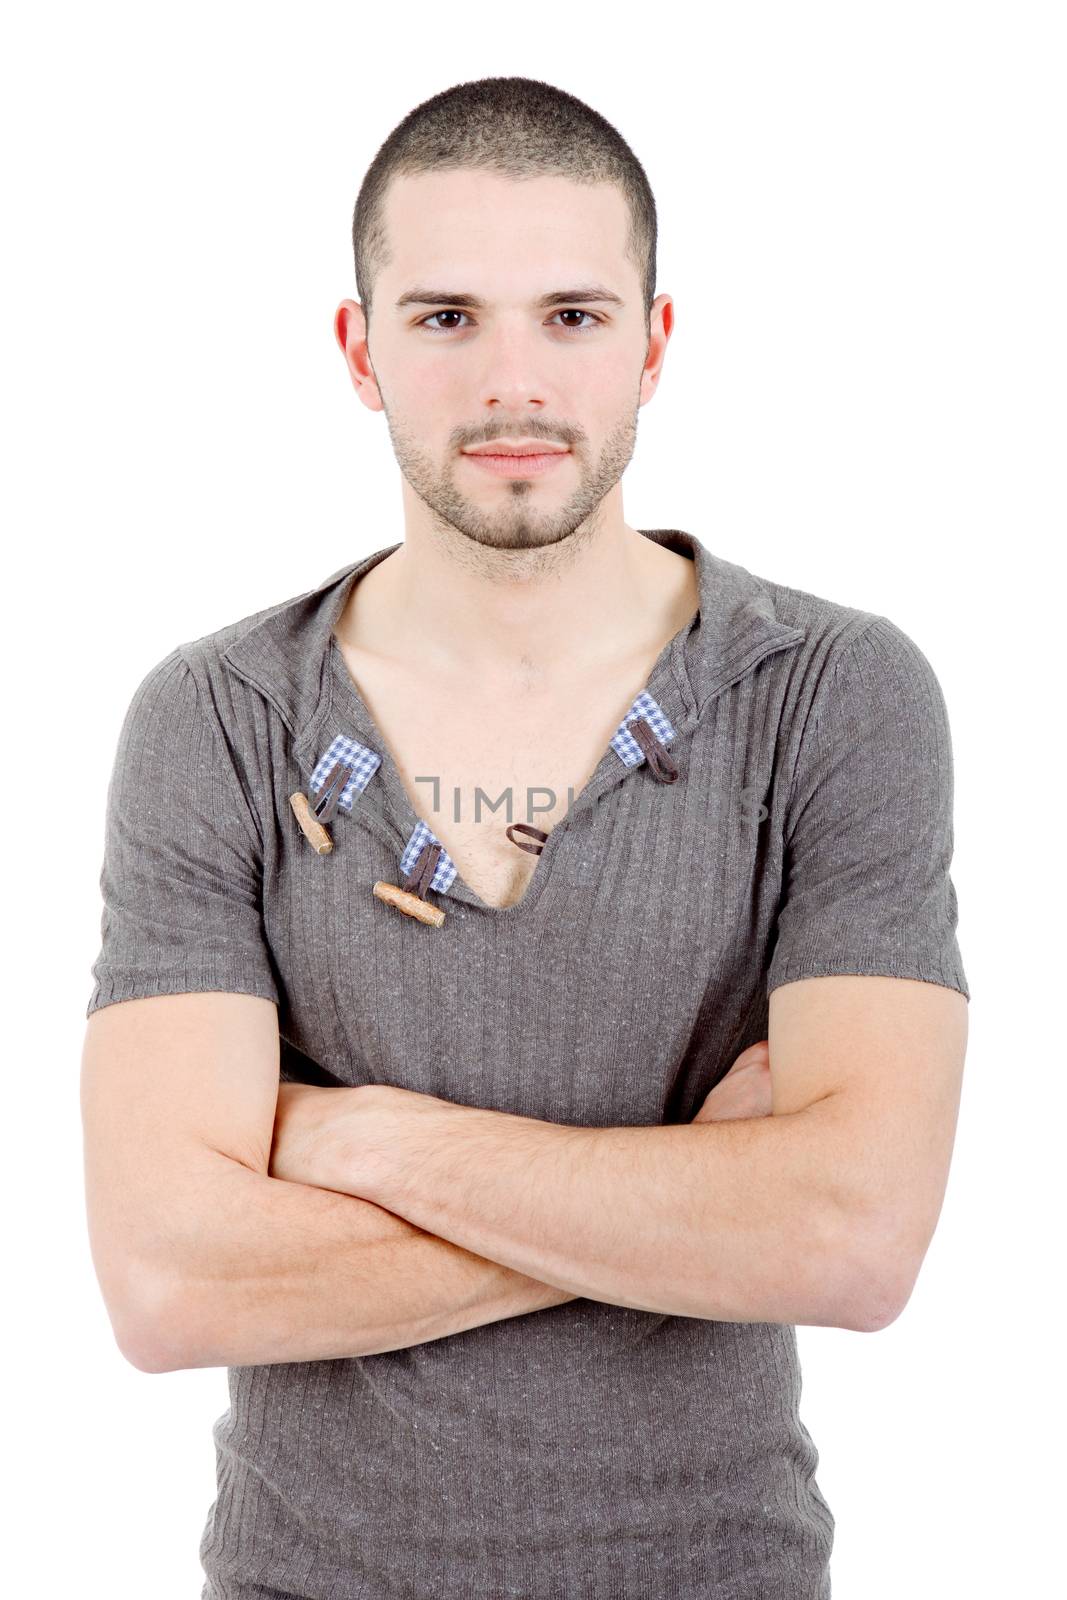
<point>205,655</point>
<point>829,625</point>
<point>858,688</point>
<point>269,658</point>
<point>846,644</point>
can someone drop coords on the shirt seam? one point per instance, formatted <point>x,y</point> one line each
<point>213,723</point>
<point>817,706</point>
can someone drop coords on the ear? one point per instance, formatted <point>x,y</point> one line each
<point>350,331</point>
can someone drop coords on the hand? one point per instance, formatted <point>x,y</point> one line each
<point>745,1091</point>
<point>304,1124</point>
<point>342,1137</point>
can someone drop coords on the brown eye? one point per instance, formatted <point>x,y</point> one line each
<point>572,311</point>
<point>425,323</point>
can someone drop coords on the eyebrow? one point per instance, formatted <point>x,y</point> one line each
<point>590,292</point>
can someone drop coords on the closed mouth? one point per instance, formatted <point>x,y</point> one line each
<point>518,450</point>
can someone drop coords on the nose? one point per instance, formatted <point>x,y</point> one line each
<point>513,376</point>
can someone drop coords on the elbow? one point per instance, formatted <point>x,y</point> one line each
<point>861,1275</point>
<point>141,1356</point>
<point>888,1301</point>
<point>150,1333</point>
<point>876,1313</point>
<point>877,1286</point>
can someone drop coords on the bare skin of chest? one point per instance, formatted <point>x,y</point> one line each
<point>458,754</point>
<point>522,731</point>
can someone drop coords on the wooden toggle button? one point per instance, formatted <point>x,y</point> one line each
<point>412,905</point>
<point>310,826</point>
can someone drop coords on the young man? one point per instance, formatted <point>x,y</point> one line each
<point>498,848</point>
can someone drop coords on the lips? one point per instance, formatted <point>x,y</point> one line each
<point>516,450</point>
<point>520,464</point>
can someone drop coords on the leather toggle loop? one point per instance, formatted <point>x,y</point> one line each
<point>408,897</point>
<point>535,833</point>
<point>419,878</point>
<point>660,762</point>
<point>325,807</point>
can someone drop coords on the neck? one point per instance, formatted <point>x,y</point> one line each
<point>454,608</point>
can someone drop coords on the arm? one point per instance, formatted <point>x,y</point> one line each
<point>203,1259</point>
<point>285,1272</point>
<point>741,1220</point>
<point>289,1272</point>
<point>280,1271</point>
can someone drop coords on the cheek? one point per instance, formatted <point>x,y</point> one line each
<point>420,383</point>
<point>438,387</point>
<point>606,402</point>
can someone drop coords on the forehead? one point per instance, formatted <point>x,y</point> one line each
<point>441,223</point>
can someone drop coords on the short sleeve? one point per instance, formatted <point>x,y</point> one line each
<point>182,872</point>
<point>868,829</point>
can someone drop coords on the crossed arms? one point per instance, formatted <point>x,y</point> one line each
<point>387,1218</point>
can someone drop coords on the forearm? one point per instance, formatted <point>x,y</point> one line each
<point>742,1221</point>
<point>279,1271</point>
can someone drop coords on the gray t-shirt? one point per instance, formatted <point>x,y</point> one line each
<point>586,1449</point>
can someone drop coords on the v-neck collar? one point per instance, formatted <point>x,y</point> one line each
<point>290,655</point>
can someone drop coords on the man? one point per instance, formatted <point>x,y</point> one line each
<point>507,1297</point>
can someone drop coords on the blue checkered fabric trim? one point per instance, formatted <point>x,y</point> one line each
<point>445,870</point>
<point>363,761</point>
<point>625,745</point>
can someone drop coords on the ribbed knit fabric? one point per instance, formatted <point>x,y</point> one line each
<point>586,1451</point>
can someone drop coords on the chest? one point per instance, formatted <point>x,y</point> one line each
<point>473,764</point>
<point>603,982</point>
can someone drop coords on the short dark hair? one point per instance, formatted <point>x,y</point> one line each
<point>520,128</point>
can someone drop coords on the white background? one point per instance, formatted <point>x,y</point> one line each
<point>862,226</point>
